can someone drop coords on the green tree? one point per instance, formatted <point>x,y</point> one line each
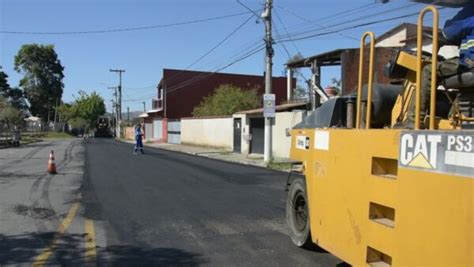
<point>17,99</point>
<point>9,115</point>
<point>43,75</point>
<point>4,86</point>
<point>65,112</point>
<point>83,113</point>
<point>226,100</point>
<point>79,123</point>
<point>14,96</point>
<point>89,107</point>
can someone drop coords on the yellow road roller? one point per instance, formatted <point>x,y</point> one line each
<point>376,194</point>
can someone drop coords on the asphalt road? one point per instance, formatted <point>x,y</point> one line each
<point>167,208</point>
<point>33,204</point>
<point>108,207</point>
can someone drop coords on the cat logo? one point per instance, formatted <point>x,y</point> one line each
<point>438,151</point>
<point>419,151</point>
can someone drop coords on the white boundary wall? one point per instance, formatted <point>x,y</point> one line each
<point>281,143</point>
<point>284,121</point>
<point>213,132</point>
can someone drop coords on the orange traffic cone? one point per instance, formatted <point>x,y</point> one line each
<point>51,164</point>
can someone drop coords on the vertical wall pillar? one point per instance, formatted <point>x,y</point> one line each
<point>315,82</point>
<point>289,84</point>
<point>165,130</point>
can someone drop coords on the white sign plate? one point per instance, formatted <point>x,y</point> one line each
<point>269,105</point>
<point>321,140</point>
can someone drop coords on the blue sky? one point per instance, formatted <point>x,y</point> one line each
<point>143,54</point>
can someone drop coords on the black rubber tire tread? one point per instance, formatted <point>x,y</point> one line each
<point>299,238</point>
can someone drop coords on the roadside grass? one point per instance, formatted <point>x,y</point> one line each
<point>25,140</point>
<point>30,138</point>
<point>280,166</point>
<point>56,135</point>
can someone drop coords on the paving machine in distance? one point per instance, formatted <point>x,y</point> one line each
<point>377,191</point>
<point>103,127</point>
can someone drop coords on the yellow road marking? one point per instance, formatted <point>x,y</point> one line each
<point>90,243</point>
<point>43,257</point>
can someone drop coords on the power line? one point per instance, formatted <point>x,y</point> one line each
<point>293,43</point>
<point>293,13</point>
<point>249,9</point>
<point>241,50</point>
<point>324,25</point>
<point>255,50</point>
<point>328,18</point>
<point>227,37</point>
<point>286,31</point>
<point>361,18</point>
<point>321,27</point>
<point>179,86</point>
<point>220,43</point>
<point>201,76</point>
<point>127,29</point>
<point>204,75</point>
<point>350,11</point>
<point>140,88</point>
<point>282,44</point>
<point>347,28</point>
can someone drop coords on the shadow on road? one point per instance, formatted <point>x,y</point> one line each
<point>23,249</point>
<point>149,152</point>
<point>135,256</point>
<point>18,249</point>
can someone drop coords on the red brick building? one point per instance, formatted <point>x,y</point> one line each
<point>179,91</point>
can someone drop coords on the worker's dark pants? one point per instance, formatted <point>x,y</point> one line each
<point>445,69</point>
<point>138,145</point>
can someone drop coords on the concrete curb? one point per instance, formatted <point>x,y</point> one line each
<point>199,154</point>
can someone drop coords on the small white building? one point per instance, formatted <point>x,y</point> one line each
<point>249,129</point>
<point>33,123</point>
<point>405,35</point>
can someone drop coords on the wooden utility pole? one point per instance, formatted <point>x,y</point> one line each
<point>119,104</point>
<point>267,17</point>
<point>114,117</point>
<point>115,108</point>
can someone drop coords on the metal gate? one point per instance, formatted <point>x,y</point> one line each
<point>174,131</point>
<point>157,129</point>
<point>148,131</point>
<point>237,134</point>
<point>257,132</point>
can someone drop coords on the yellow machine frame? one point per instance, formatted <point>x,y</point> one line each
<point>373,201</point>
<point>419,66</point>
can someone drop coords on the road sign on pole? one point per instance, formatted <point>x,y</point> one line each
<point>269,105</point>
